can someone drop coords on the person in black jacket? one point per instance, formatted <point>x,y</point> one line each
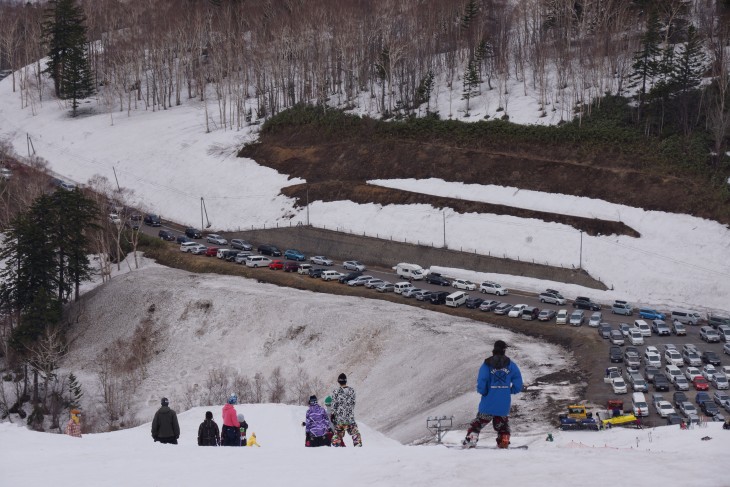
<point>208,432</point>
<point>164,426</point>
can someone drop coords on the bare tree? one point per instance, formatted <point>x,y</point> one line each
<point>277,386</point>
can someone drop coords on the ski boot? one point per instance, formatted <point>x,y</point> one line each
<point>470,441</point>
<point>503,440</point>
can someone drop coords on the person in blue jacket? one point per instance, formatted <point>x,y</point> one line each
<point>498,379</point>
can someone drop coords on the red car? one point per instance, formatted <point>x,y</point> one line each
<point>700,383</point>
<point>276,264</point>
<point>290,266</point>
<point>211,251</point>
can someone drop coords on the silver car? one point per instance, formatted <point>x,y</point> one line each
<point>577,318</point>
<point>353,265</point>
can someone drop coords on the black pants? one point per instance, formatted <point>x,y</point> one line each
<point>169,441</point>
<point>230,436</point>
<point>317,440</point>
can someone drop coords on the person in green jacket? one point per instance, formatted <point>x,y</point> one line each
<point>165,428</point>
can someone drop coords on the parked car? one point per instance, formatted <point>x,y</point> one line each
<point>530,313</point>
<point>199,249</point>
<point>621,308</point>
<point>502,309</point>
<point>276,265</point>
<point>316,272</point>
<point>691,357</point>
<point>688,409</point>
<point>616,337</point>
<point>660,328</point>
<point>716,320</point>
<point>386,287</point>
<point>691,372</point>
<point>372,283</point>
<point>257,261</point>
<point>720,382</point>
<point>651,314</point>
<point>211,251</point>
<point>166,235</point>
<point>237,243</point>
<point>615,354</point>
<point>619,385</point>
<point>516,310</point>
<point>241,256</point>
<point>489,287</point>
<point>320,260</point>
<point>562,317</point>
<point>348,277</point>
<point>678,328</point>
<point>152,220</point>
<point>331,275</point>
<point>435,278</point>
<point>114,218</point>
<point>708,372</point>
<point>595,319</point>
<point>304,269</point>
<point>709,334</point>
<point>463,284</point>
<point>353,265</point>
<point>650,372</point>
<point>643,327</point>
<point>678,398</point>
<point>581,302</point>
<point>604,330</point>
<point>700,383</point>
<point>577,318</point>
<point>489,305</point>
<point>546,315</point>
<point>473,302</point>
<point>294,254</point>
<point>672,356</point>
<point>193,233</point>
<point>709,408</point>
<point>726,348</point>
<point>681,383</point>
<point>409,292</point>
<point>424,295</point>
<point>290,266</point>
<point>625,329</point>
<point>631,358</point>
<point>673,419</point>
<point>214,238</point>
<point>438,297</point>
<point>722,399</point>
<point>635,337</point>
<point>268,249</point>
<point>661,383</point>
<point>552,298</point>
<point>710,357</point>
<point>182,239</point>
<point>664,408</point>
<point>702,397</point>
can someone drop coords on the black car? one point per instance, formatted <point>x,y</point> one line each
<point>133,224</point>
<point>674,418</point>
<point>316,272</point>
<point>438,297</point>
<point>709,408</point>
<point>193,233</point>
<point>472,303</point>
<point>661,383</point>
<point>349,277</point>
<point>183,238</point>
<point>650,371</point>
<point>615,354</point>
<point>710,357</point>
<point>585,303</point>
<point>679,397</point>
<point>434,278</point>
<point>152,220</point>
<point>268,249</point>
<point>166,235</point>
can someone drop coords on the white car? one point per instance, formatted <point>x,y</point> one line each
<point>562,317</point>
<point>373,283</point>
<point>664,408</point>
<point>489,287</point>
<point>708,372</point>
<point>726,348</point>
<point>635,337</point>
<point>320,260</point>
<point>619,385</point>
<point>188,246</point>
<point>595,319</point>
<point>652,358</point>
<point>198,249</point>
<point>410,292</point>
<point>681,383</point>
<point>688,409</point>
<point>516,310</point>
<point>720,382</point>
<point>463,284</point>
<point>353,265</point>
<point>216,239</point>
<point>672,356</point>
<point>114,218</point>
<point>721,399</point>
<point>359,281</point>
<point>331,276</point>
<point>691,372</point>
<point>616,337</point>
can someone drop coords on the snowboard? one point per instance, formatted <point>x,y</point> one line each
<point>487,447</point>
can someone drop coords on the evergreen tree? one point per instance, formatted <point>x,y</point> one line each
<point>74,392</point>
<point>64,31</point>
<point>423,93</point>
<point>646,63</point>
<point>471,83</point>
<point>687,74</point>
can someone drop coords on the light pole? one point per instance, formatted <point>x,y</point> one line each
<point>203,209</point>
<point>580,262</point>
<point>444,214</point>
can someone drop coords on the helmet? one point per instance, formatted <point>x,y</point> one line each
<point>233,399</point>
<point>328,401</point>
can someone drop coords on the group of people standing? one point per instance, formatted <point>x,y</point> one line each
<point>323,427</point>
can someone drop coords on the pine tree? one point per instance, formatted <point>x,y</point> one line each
<point>687,75</point>
<point>646,63</point>
<point>64,31</point>
<point>74,392</point>
<point>471,83</point>
<point>423,93</point>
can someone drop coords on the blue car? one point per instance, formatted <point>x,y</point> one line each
<point>294,254</point>
<point>651,314</point>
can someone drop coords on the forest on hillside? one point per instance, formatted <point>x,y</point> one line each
<point>248,60</point>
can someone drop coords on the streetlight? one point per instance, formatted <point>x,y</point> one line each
<point>580,264</point>
<point>203,209</point>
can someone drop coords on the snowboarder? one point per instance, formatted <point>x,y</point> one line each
<point>343,413</point>
<point>498,379</point>
<point>208,433</point>
<point>252,441</point>
<point>317,425</point>
<point>231,433</point>
<point>242,429</point>
<point>73,427</point>
<point>331,428</point>
<point>165,428</point>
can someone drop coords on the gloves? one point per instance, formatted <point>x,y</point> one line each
<point>155,438</point>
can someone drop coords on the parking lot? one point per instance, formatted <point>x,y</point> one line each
<point>591,350</point>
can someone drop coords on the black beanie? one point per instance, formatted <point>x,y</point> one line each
<point>208,415</point>
<point>312,400</point>
<point>342,379</point>
<point>499,347</point>
<point>164,401</point>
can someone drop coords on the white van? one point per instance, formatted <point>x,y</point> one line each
<point>187,246</point>
<point>686,317</point>
<point>399,287</point>
<point>635,337</point>
<point>409,271</point>
<point>643,327</point>
<point>641,408</point>
<point>330,275</point>
<point>304,268</point>
<point>258,261</point>
<point>672,372</point>
<point>456,299</point>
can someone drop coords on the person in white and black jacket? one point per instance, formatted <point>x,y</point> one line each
<point>343,413</point>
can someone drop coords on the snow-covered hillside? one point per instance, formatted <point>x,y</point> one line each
<point>664,456</point>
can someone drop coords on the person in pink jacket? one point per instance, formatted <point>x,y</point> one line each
<point>231,433</point>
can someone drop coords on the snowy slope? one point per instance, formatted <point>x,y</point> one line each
<point>126,458</point>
